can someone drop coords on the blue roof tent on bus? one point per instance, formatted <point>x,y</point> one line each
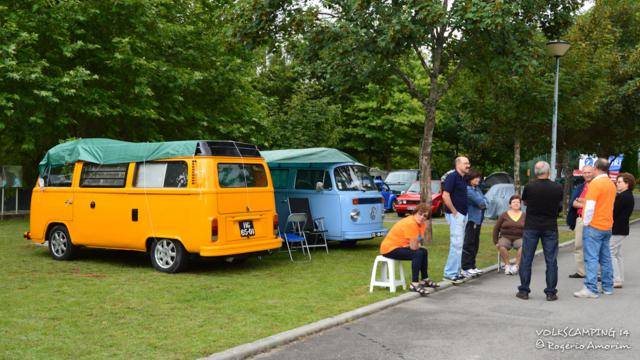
<point>306,157</point>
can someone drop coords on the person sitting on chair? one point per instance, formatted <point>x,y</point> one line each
<point>403,242</point>
<point>507,234</point>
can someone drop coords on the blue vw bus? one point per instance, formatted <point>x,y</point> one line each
<point>339,189</point>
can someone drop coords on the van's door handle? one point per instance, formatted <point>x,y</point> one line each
<point>68,202</point>
<point>92,205</point>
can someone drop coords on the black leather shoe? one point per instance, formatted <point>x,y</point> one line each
<point>576,276</point>
<point>552,297</point>
<point>522,295</point>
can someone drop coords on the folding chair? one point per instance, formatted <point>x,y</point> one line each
<point>294,233</point>
<point>314,228</point>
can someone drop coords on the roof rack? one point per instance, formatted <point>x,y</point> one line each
<point>227,148</point>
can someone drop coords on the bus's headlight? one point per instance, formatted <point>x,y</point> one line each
<point>355,214</point>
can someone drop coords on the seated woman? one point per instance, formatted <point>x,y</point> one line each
<point>403,243</point>
<point>507,234</point>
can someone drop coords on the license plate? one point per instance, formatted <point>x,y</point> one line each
<point>411,208</point>
<point>246,229</point>
<point>377,234</point>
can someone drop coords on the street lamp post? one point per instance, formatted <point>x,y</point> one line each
<point>557,49</point>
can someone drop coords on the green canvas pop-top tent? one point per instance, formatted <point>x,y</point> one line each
<point>306,157</point>
<point>107,151</point>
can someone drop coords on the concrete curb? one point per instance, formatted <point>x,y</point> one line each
<point>263,345</point>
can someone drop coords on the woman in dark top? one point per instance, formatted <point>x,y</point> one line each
<point>507,234</point>
<point>622,209</point>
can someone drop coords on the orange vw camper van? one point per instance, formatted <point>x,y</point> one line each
<point>172,199</point>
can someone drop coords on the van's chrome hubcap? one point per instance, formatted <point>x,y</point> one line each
<point>58,243</point>
<point>165,253</point>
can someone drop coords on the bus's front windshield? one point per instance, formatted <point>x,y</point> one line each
<point>353,178</point>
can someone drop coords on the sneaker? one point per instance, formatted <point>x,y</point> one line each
<point>467,274</point>
<point>585,294</point>
<point>455,280</point>
<point>610,292</point>
<point>507,270</point>
<point>576,276</point>
<point>522,295</point>
<point>478,271</point>
<point>552,297</point>
<point>617,285</point>
<point>514,269</point>
<point>473,272</point>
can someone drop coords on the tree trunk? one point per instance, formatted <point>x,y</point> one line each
<point>568,181</point>
<point>388,159</point>
<point>516,164</point>
<point>425,162</point>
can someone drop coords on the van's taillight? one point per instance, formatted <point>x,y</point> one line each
<point>214,230</point>
<point>275,225</point>
<point>355,201</point>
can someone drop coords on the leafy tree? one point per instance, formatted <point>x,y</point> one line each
<point>134,70</point>
<point>354,43</point>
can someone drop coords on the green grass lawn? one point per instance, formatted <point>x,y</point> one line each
<point>113,304</point>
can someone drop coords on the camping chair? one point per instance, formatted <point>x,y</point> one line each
<point>294,233</point>
<point>314,228</point>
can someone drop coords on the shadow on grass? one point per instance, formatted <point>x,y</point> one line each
<point>249,263</point>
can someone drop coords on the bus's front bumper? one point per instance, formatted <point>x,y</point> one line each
<point>235,248</point>
<point>363,235</point>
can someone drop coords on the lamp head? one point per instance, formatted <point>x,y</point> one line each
<point>557,48</point>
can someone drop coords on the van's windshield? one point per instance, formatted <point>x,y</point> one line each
<point>353,178</point>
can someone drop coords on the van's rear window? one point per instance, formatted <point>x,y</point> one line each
<point>231,175</point>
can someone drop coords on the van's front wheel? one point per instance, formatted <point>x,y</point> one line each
<point>168,255</point>
<point>60,245</point>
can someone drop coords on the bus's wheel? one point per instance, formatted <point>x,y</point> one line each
<point>60,245</point>
<point>168,255</point>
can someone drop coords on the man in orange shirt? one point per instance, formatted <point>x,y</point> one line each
<point>598,221</point>
<point>403,243</point>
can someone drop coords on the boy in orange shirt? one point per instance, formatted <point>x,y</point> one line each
<point>403,243</point>
<point>598,221</point>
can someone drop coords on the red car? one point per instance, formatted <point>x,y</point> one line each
<point>407,202</point>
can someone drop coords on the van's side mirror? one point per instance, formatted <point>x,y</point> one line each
<point>319,186</point>
<point>40,182</point>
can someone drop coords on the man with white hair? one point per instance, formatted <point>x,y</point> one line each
<point>543,198</point>
<point>574,219</point>
<point>454,195</point>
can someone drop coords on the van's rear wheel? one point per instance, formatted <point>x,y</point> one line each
<point>168,255</point>
<point>60,245</point>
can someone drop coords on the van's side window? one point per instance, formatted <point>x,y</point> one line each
<point>241,175</point>
<point>280,178</point>
<point>103,176</point>
<point>307,179</point>
<point>169,174</point>
<point>61,176</point>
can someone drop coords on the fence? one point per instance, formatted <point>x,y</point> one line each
<point>14,199</point>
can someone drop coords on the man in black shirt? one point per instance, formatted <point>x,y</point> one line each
<point>543,198</point>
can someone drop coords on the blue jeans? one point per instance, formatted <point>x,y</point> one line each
<point>456,238</point>
<point>596,252</point>
<point>549,241</point>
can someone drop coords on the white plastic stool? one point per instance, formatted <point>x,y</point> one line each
<point>388,274</point>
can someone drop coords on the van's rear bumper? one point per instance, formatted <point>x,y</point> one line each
<point>361,235</point>
<point>248,246</point>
